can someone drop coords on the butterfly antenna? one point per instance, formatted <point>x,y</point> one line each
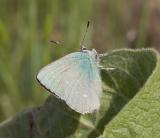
<point>55,42</point>
<point>82,47</point>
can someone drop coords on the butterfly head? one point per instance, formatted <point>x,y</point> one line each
<point>95,56</point>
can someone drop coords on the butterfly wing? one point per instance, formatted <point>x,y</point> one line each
<point>74,78</point>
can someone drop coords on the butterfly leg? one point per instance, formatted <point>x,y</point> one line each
<point>108,69</point>
<point>102,55</point>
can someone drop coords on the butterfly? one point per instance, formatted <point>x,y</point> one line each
<point>75,78</point>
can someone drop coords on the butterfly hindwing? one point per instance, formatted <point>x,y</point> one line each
<point>74,78</point>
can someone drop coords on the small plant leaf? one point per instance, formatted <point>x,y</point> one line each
<point>141,116</point>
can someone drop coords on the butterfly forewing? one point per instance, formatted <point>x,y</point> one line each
<point>74,78</point>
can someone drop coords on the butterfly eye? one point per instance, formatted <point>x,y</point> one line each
<point>96,56</point>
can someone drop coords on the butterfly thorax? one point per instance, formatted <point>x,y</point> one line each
<point>93,54</point>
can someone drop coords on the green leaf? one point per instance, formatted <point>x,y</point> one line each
<point>141,116</point>
<point>132,84</point>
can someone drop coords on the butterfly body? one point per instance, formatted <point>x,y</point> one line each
<point>75,78</point>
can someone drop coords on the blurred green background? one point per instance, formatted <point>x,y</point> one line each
<point>27,26</point>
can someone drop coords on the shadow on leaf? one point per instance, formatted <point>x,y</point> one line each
<point>56,119</point>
